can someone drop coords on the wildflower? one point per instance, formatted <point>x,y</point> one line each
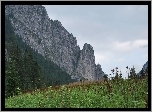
<point>101,87</point>
<point>112,70</point>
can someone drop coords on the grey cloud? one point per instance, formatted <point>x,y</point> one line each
<point>100,21</point>
<point>101,25</point>
<point>144,46</point>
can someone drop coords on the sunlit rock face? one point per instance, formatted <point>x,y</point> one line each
<point>49,38</point>
<point>86,63</point>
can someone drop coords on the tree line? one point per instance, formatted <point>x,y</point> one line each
<point>25,68</point>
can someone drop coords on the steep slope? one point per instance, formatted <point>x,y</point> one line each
<point>86,63</point>
<point>145,66</point>
<point>53,74</point>
<point>50,39</point>
<point>144,69</point>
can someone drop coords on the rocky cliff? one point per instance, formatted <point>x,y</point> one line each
<point>144,69</point>
<point>33,25</point>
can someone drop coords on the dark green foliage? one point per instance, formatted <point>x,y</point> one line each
<point>132,73</point>
<point>12,79</point>
<point>129,93</point>
<point>33,76</point>
<point>8,29</point>
<point>26,69</point>
<point>118,76</point>
<point>12,66</point>
<point>105,76</point>
<point>54,74</point>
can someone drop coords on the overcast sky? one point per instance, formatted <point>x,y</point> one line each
<point>117,33</point>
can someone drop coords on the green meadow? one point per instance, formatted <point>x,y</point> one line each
<point>116,93</point>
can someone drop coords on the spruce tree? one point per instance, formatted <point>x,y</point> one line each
<point>12,79</point>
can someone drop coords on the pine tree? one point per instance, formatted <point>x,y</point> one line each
<point>34,78</point>
<point>132,73</point>
<point>12,79</point>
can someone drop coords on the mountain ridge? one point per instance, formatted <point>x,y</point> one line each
<point>143,70</point>
<point>50,39</point>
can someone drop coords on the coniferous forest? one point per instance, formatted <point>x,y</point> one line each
<point>25,69</point>
<point>45,68</point>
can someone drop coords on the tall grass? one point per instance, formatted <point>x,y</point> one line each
<point>115,93</point>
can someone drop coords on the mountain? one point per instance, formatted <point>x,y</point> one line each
<point>144,69</point>
<point>50,39</point>
<point>29,65</point>
<point>145,66</point>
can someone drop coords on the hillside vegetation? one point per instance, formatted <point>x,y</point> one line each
<point>25,68</point>
<point>115,93</point>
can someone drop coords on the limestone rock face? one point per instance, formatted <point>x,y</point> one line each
<point>99,73</point>
<point>86,63</point>
<point>33,25</point>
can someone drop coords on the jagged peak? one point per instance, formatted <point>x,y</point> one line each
<point>87,47</point>
<point>145,66</point>
<point>98,65</point>
<point>57,21</point>
<point>73,60</point>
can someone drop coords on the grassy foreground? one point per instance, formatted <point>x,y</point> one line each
<point>129,93</point>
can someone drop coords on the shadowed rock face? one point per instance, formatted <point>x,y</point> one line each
<point>99,73</point>
<point>53,41</point>
<point>144,69</point>
<point>145,66</point>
